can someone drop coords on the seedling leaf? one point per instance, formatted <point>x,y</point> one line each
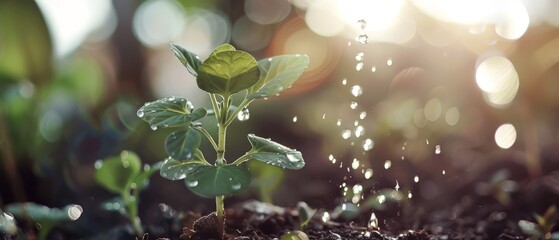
<point>228,72</point>
<point>277,74</point>
<point>117,172</point>
<point>190,60</point>
<point>273,153</point>
<point>305,213</point>
<point>182,144</point>
<point>222,48</point>
<point>175,170</point>
<point>141,180</point>
<point>170,112</point>
<point>224,180</point>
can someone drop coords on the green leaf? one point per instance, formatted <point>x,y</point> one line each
<point>170,112</point>
<point>222,48</point>
<point>273,153</point>
<point>175,170</point>
<point>26,50</point>
<point>277,74</point>
<point>117,173</point>
<point>142,179</point>
<point>211,181</point>
<point>228,72</point>
<point>190,60</point>
<point>305,213</point>
<point>40,213</point>
<point>266,179</point>
<point>182,144</point>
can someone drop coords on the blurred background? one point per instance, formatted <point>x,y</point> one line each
<point>438,100</point>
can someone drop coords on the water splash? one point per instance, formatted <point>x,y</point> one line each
<point>362,23</point>
<point>373,222</point>
<point>363,38</point>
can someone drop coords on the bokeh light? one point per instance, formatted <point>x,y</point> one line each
<point>267,12</point>
<point>157,22</point>
<point>505,136</point>
<point>249,35</point>
<point>498,79</point>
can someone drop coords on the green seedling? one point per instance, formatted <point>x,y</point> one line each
<point>306,213</point>
<point>225,74</point>
<point>123,175</point>
<point>541,229</point>
<point>46,217</point>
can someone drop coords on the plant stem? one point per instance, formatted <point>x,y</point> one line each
<point>222,135</point>
<point>132,210</point>
<point>220,212</point>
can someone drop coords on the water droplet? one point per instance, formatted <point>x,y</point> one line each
<point>295,119</point>
<point>236,186</point>
<point>409,194</point>
<point>189,105</point>
<point>362,23</point>
<point>373,222</point>
<point>368,173</point>
<point>360,56</point>
<point>362,115</point>
<point>363,39</point>
<point>270,59</point>
<point>75,212</point>
<point>344,207</point>
<point>355,163</point>
<point>339,122</point>
<point>387,164</point>
<point>438,149</point>
<point>353,105</point>
<point>147,104</point>
<point>324,116</point>
<point>171,98</point>
<point>356,90</point>
<point>325,217</point>
<point>444,172</point>
<point>180,175</point>
<point>381,199</point>
<point>368,144</point>
<point>416,178</point>
<point>243,115</point>
<point>397,187</point>
<point>344,81</point>
<point>373,69</point>
<point>292,157</point>
<point>359,66</point>
<point>140,113</point>
<point>192,183</point>
<point>359,131</point>
<point>98,164</point>
<point>346,134</point>
<point>427,141</point>
<point>164,174</point>
<point>389,62</point>
<point>153,127</point>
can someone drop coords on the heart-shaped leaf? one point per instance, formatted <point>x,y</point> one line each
<point>117,173</point>
<point>190,60</point>
<point>175,170</point>
<point>182,144</point>
<point>42,214</point>
<point>228,72</point>
<point>170,112</point>
<point>273,153</point>
<point>211,181</point>
<point>277,74</point>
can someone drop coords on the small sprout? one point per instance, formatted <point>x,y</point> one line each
<point>543,226</point>
<point>42,215</point>
<point>306,213</point>
<point>124,175</point>
<point>226,72</point>
<point>294,235</point>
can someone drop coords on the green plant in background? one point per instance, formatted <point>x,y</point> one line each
<point>46,217</point>
<point>227,72</point>
<point>543,226</point>
<point>123,175</point>
<point>306,213</point>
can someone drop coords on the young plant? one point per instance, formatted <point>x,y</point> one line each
<point>46,217</point>
<point>226,72</point>
<point>123,175</point>
<point>542,228</point>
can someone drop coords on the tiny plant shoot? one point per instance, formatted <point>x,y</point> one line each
<point>225,73</point>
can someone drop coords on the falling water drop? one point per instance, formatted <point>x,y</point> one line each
<point>373,222</point>
<point>363,39</point>
<point>346,134</point>
<point>362,23</point>
<point>416,178</point>
<point>192,183</point>
<point>295,119</point>
<point>355,163</point>
<point>98,164</point>
<point>409,194</point>
<point>381,199</point>
<point>356,90</point>
<point>353,105</point>
<point>360,56</point>
<point>438,149</point>
<point>344,81</point>
<point>368,144</point>
<point>325,217</point>
<point>397,187</point>
<point>243,115</point>
<point>368,173</point>
<point>444,172</point>
<point>389,62</point>
<point>387,164</point>
<point>362,115</point>
<point>373,69</point>
<point>359,131</point>
<point>339,122</point>
<point>359,66</point>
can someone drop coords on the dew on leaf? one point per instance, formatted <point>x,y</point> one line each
<point>153,127</point>
<point>236,186</point>
<point>140,113</point>
<point>192,183</point>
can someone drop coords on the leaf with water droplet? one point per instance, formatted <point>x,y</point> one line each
<point>270,152</point>
<point>118,172</point>
<point>175,170</point>
<point>190,60</point>
<point>218,180</point>
<point>165,113</point>
<point>182,144</point>
<point>277,75</point>
<point>227,72</point>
